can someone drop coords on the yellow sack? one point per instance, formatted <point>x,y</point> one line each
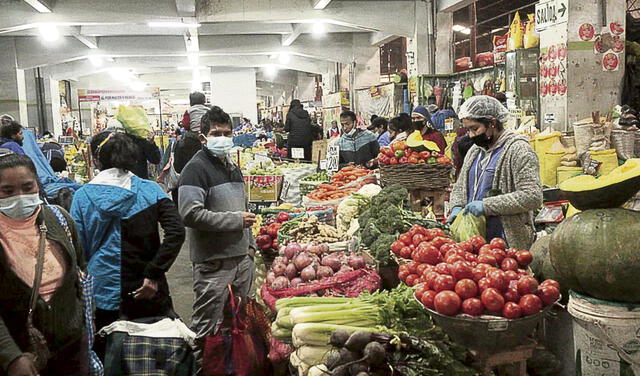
<point>565,173</point>
<point>134,120</point>
<point>607,158</point>
<point>549,167</point>
<point>515,34</point>
<point>531,37</point>
<point>467,225</point>
<point>450,138</point>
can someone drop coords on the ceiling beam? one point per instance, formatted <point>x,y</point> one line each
<point>288,39</point>
<point>320,4</point>
<point>186,7</point>
<point>89,41</point>
<point>42,6</point>
<point>379,38</point>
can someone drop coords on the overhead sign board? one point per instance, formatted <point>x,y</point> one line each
<point>550,13</point>
<point>96,95</point>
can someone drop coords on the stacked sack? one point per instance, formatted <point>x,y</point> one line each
<point>570,157</point>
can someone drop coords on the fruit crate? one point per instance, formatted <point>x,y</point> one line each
<point>417,176</point>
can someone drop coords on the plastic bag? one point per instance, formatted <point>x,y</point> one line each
<point>515,34</point>
<point>467,225</point>
<point>134,120</point>
<point>531,37</point>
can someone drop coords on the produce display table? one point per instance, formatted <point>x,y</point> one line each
<point>487,362</point>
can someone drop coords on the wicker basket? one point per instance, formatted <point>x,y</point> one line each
<point>417,176</point>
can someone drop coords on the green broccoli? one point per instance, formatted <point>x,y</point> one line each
<point>370,233</point>
<point>390,220</point>
<point>381,249</point>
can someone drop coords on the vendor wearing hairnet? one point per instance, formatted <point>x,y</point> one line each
<point>500,177</point>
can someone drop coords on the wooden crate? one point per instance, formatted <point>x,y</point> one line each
<point>421,198</point>
<point>319,150</point>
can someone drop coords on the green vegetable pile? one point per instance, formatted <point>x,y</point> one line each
<point>384,219</point>
<point>320,176</point>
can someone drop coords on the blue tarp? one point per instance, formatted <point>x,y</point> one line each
<point>50,182</point>
<point>245,140</point>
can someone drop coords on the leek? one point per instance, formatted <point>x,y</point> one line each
<point>302,301</point>
<point>313,334</point>
<point>366,316</point>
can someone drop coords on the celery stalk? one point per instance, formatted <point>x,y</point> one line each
<point>313,334</point>
<point>301,301</point>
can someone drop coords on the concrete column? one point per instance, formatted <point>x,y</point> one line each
<point>444,43</point>
<point>234,89</point>
<point>418,45</point>
<point>13,99</point>
<point>306,87</point>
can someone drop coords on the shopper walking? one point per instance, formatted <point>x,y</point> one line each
<point>500,177</point>
<point>422,122</point>
<point>298,124</point>
<point>117,215</point>
<point>28,228</point>
<point>11,136</point>
<point>213,206</point>
<point>357,146</point>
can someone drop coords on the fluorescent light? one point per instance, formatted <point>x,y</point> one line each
<point>49,32</point>
<point>137,85</point>
<point>458,28</point>
<point>193,59</point>
<point>284,58</point>
<point>120,74</point>
<point>318,29</point>
<point>39,6</point>
<point>96,60</point>
<point>185,67</point>
<point>173,24</point>
<point>270,71</point>
<point>466,31</point>
<point>321,4</point>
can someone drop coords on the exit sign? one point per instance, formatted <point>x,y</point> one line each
<point>550,13</point>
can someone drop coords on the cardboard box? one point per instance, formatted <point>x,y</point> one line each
<point>319,150</point>
<point>263,188</point>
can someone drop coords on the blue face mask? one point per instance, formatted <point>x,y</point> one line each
<point>20,206</point>
<point>352,132</point>
<point>220,145</point>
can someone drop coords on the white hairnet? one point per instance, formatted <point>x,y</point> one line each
<point>483,106</point>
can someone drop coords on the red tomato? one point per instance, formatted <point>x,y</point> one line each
<point>484,284</point>
<point>396,247</point>
<point>412,160</point>
<point>447,303</point>
<point>427,299</point>
<point>403,267</point>
<point>420,290</point>
<point>511,275</point>
<point>443,268</point>
<point>492,300</point>
<point>511,295</point>
<point>417,229</point>
<point>429,254</point>
<point>530,304</point>
<point>486,259</point>
<point>402,275</point>
<point>406,239</point>
<point>527,285</point>
<point>421,268</point>
<point>393,161</point>
<point>466,288</point>
<point>548,294</point>
<point>405,252</point>
<point>485,250</point>
<point>472,307</point>
<point>430,278</point>
<point>444,282</point>
<point>412,267</point>
<point>461,270</point>
<point>498,280</point>
<point>411,279</point>
<point>511,252</point>
<point>550,282</point>
<point>477,241</point>
<point>511,310</point>
<point>524,258</point>
<point>453,259</point>
<point>498,243</point>
<point>389,153</point>
<point>403,160</point>
<point>439,242</point>
<point>425,268</point>
<point>509,264</point>
<point>479,272</point>
<point>425,154</point>
<point>466,246</point>
<point>448,247</point>
<point>418,238</point>
<point>470,257</point>
<point>499,255</point>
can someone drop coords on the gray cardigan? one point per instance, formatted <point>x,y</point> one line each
<point>517,177</point>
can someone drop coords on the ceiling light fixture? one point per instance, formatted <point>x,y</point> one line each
<point>96,60</point>
<point>318,29</point>
<point>49,32</point>
<point>172,24</point>
<point>284,58</point>
<point>466,31</point>
<point>321,4</point>
<point>39,6</point>
<point>458,28</point>
<point>270,71</point>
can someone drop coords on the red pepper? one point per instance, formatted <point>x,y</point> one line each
<point>264,242</point>
<point>272,230</point>
<point>282,217</point>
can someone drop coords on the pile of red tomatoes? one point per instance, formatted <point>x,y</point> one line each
<point>471,277</point>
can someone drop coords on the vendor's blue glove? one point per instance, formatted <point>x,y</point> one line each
<point>474,207</point>
<point>454,213</point>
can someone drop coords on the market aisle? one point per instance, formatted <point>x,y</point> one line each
<point>180,282</point>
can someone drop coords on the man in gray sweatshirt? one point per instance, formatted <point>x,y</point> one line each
<point>213,207</point>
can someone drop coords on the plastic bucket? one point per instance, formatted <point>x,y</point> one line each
<point>606,336</point>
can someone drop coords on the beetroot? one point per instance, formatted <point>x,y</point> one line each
<point>302,260</point>
<point>296,281</point>
<point>278,268</point>
<point>315,249</point>
<point>356,262</point>
<point>291,271</point>
<point>292,250</point>
<point>307,274</point>
<point>324,271</point>
<point>280,283</point>
<point>332,261</point>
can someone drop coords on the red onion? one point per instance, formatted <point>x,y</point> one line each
<point>345,269</point>
<point>292,250</point>
<point>270,277</point>
<point>302,260</point>
<point>278,268</point>
<point>291,271</point>
<point>296,281</point>
<point>280,283</point>
<point>315,249</point>
<point>323,272</point>
<point>307,274</point>
<point>324,247</point>
<point>356,262</point>
<point>332,261</point>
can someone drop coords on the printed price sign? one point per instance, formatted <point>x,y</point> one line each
<point>333,158</point>
<point>297,153</point>
<point>448,124</point>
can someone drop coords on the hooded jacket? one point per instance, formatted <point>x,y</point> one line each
<point>196,112</point>
<point>117,216</point>
<point>517,177</point>
<point>359,149</point>
<point>298,125</point>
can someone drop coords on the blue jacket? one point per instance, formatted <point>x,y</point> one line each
<point>117,216</point>
<point>8,143</point>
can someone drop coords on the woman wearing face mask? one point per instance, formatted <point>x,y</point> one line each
<point>117,214</point>
<point>58,313</point>
<point>500,177</point>
<point>422,122</point>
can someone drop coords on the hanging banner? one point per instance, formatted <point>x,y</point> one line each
<point>97,95</point>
